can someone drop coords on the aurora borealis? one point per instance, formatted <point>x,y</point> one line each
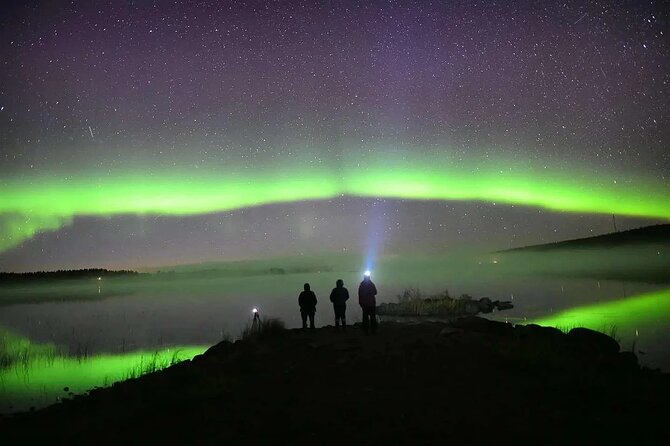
<point>113,116</point>
<point>46,205</point>
<point>186,162</point>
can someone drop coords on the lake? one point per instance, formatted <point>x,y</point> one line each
<point>88,333</point>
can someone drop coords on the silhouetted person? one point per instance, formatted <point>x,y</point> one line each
<point>339,297</point>
<point>307,302</point>
<point>366,299</point>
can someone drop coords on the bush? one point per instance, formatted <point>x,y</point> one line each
<point>410,294</point>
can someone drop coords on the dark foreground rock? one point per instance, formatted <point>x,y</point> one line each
<point>473,381</point>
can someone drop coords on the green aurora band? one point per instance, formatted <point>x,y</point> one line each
<point>29,205</point>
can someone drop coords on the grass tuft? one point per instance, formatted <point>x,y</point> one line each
<point>16,350</point>
<point>266,328</point>
<point>153,363</point>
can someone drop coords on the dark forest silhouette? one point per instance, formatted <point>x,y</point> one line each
<point>64,274</point>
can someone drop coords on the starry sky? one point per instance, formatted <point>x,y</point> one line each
<point>149,133</point>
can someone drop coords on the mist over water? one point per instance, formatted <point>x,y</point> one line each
<point>620,291</point>
<point>201,303</point>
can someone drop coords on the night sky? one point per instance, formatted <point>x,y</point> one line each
<point>156,133</point>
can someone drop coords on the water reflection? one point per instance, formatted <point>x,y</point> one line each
<point>45,379</point>
<point>117,318</point>
<point>640,323</point>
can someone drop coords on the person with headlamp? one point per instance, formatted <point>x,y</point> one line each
<point>366,299</point>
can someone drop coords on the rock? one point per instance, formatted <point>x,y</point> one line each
<point>485,305</point>
<point>221,349</point>
<point>628,361</point>
<point>539,331</point>
<point>443,306</point>
<point>504,305</point>
<point>448,331</point>
<point>471,308</point>
<point>592,342</point>
<point>481,325</point>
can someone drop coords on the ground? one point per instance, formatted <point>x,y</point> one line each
<point>470,380</point>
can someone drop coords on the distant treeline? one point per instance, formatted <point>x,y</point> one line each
<point>94,273</point>
<point>241,272</point>
<point>91,273</point>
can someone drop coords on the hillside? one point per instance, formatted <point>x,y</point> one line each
<point>648,235</point>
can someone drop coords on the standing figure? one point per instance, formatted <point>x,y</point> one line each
<point>339,297</point>
<point>307,302</point>
<point>366,299</point>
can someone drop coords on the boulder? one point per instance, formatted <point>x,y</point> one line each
<point>504,305</point>
<point>221,349</point>
<point>448,331</point>
<point>539,332</point>
<point>481,325</point>
<point>471,308</point>
<point>485,305</point>
<point>592,342</point>
<point>628,361</point>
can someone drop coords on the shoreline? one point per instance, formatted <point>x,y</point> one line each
<point>472,379</point>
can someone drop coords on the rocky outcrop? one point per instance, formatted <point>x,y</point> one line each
<point>481,325</point>
<point>592,342</point>
<point>442,307</point>
<point>419,383</point>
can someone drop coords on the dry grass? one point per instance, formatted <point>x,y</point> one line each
<point>265,328</point>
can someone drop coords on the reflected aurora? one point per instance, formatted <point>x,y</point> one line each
<point>626,315</point>
<point>41,381</point>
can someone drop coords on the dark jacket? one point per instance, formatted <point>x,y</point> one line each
<point>339,295</point>
<point>366,294</point>
<point>307,301</point>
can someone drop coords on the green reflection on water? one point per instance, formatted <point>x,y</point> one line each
<point>41,380</point>
<point>625,315</point>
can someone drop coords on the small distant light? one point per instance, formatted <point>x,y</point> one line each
<point>495,261</point>
<point>367,273</point>
<point>255,310</point>
<point>99,278</point>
